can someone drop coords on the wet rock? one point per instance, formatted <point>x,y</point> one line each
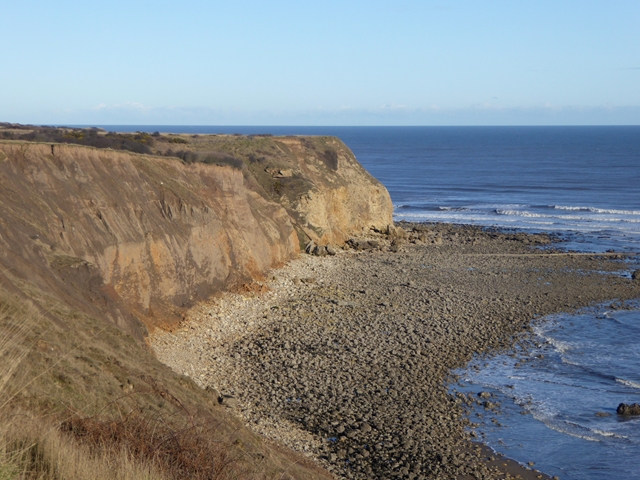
<point>628,409</point>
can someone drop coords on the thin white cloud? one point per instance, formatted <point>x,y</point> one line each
<point>137,106</point>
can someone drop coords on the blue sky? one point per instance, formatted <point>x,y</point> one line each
<point>379,62</point>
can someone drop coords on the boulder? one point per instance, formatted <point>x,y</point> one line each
<point>320,251</point>
<point>310,247</point>
<point>628,409</point>
<point>228,401</point>
<point>636,275</point>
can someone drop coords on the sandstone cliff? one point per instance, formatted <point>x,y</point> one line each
<point>327,193</point>
<point>139,238</point>
<point>325,189</point>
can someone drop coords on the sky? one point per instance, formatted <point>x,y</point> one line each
<point>374,62</point>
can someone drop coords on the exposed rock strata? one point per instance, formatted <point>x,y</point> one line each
<point>140,238</point>
<point>327,193</point>
<point>347,357</point>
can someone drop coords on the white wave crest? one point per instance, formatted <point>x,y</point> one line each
<point>560,346</point>
<point>518,213</point>
<point>453,209</point>
<point>604,433</point>
<point>628,383</point>
<point>597,210</point>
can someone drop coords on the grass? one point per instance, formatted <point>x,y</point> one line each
<point>139,444</point>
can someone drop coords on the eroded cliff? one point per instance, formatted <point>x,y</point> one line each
<point>139,238</point>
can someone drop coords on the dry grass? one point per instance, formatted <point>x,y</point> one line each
<point>189,451</point>
<point>36,449</point>
<point>16,322</point>
<point>136,446</point>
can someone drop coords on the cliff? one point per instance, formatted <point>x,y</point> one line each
<point>95,239</point>
<point>147,234</point>
<point>140,238</point>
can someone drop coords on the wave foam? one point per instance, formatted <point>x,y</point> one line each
<point>560,346</point>
<point>628,383</point>
<point>453,209</point>
<point>518,213</point>
<point>596,210</point>
<point>573,429</point>
<point>605,433</point>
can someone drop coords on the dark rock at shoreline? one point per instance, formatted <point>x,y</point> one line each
<point>628,409</point>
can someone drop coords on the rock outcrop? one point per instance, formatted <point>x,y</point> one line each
<point>340,197</point>
<point>628,409</point>
<point>329,196</point>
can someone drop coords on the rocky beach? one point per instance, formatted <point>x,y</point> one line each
<point>348,357</point>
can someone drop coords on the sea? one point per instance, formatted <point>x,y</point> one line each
<point>558,398</point>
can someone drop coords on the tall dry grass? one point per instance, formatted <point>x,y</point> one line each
<point>140,444</point>
<point>33,447</point>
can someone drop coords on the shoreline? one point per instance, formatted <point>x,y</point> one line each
<point>357,348</point>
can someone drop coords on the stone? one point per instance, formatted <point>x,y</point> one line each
<point>628,409</point>
<point>320,251</point>
<point>286,173</point>
<point>636,275</point>
<point>228,401</point>
<point>310,247</point>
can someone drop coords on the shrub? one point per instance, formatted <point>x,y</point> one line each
<point>177,140</point>
<point>186,450</point>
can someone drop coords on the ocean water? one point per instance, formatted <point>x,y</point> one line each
<point>559,398</point>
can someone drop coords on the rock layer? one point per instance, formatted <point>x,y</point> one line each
<point>327,193</point>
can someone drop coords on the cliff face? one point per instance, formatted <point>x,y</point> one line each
<point>329,196</point>
<point>139,238</point>
<point>134,233</point>
<point>339,197</point>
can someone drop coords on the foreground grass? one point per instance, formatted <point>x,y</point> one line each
<point>139,444</point>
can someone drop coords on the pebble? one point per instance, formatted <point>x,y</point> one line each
<point>352,367</point>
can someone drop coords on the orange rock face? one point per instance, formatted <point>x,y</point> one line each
<point>153,234</point>
<point>140,238</point>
